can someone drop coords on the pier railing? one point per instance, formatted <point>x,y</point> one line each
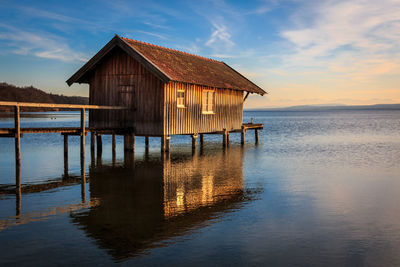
<point>16,132</point>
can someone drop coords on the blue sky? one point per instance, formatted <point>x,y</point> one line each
<point>301,52</point>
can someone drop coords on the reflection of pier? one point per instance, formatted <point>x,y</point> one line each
<point>160,199</point>
<point>96,133</point>
<point>137,205</point>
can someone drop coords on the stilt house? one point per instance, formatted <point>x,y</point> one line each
<point>167,92</point>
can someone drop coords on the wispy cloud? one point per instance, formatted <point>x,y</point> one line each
<point>364,30</point>
<point>220,36</point>
<point>41,45</point>
<point>158,35</point>
<point>40,13</point>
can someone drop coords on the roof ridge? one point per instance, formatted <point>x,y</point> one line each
<point>174,50</point>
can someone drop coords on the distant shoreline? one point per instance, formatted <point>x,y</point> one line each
<point>331,108</point>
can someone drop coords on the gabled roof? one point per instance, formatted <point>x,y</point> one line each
<point>173,65</point>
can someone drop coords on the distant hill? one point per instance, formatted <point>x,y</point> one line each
<point>330,107</point>
<point>9,92</point>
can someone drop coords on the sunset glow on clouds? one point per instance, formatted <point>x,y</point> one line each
<point>301,52</point>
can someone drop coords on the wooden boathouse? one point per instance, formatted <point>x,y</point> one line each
<point>166,92</point>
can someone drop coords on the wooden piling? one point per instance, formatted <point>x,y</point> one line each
<point>201,139</point>
<point>99,144</point>
<point>242,135</point>
<point>146,141</point>
<point>256,136</point>
<point>65,155</point>
<point>129,150</point>
<point>17,132</point>
<point>113,149</point>
<point>194,141</point>
<point>225,138</point>
<point>168,143</point>
<point>92,141</point>
<point>83,137</point>
<point>17,136</point>
<point>165,143</point>
<point>129,142</point>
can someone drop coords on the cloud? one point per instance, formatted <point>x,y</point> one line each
<point>343,34</point>
<point>42,45</point>
<point>220,37</point>
<point>159,36</point>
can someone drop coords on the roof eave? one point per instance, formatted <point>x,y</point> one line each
<point>262,92</point>
<point>117,41</point>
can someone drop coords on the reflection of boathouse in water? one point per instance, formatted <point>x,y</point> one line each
<point>158,200</point>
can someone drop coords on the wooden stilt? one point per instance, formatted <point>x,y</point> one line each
<point>256,136</point>
<point>225,138</point>
<point>99,144</point>
<point>194,141</point>
<point>17,136</point>
<point>146,141</point>
<point>83,139</point>
<point>129,142</point>
<point>168,143</point>
<point>92,141</point>
<point>17,132</point>
<point>65,155</point>
<point>129,150</point>
<point>113,149</point>
<point>165,143</point>
<point>242,135</point>
<point>201,139</point>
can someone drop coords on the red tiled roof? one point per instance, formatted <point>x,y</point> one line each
<point>188,68</point>
<point>172,65</point>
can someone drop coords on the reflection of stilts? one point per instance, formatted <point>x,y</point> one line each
<point>83,177</point>
<point>92,152</point>
<point>65,155</point>
<point>18,192</point>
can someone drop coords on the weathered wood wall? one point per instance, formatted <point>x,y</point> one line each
<point>121,81</point>
<point>228,110</point>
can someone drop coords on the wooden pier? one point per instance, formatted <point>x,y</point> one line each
<point>96,136</point>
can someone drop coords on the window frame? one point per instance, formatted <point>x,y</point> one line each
<point>205,103</point>
<point>183,99</point>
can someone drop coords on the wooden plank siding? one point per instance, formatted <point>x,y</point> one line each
<point>121,80</point>
<point>228,110</point>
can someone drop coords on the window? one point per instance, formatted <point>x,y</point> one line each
<point>180,99</point>
<point>208,102</point>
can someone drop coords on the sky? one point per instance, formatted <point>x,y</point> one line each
<point>300,52</point>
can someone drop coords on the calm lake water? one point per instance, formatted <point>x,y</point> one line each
<point>320,189</point>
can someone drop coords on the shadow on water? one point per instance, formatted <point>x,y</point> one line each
<point>155,200</point>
